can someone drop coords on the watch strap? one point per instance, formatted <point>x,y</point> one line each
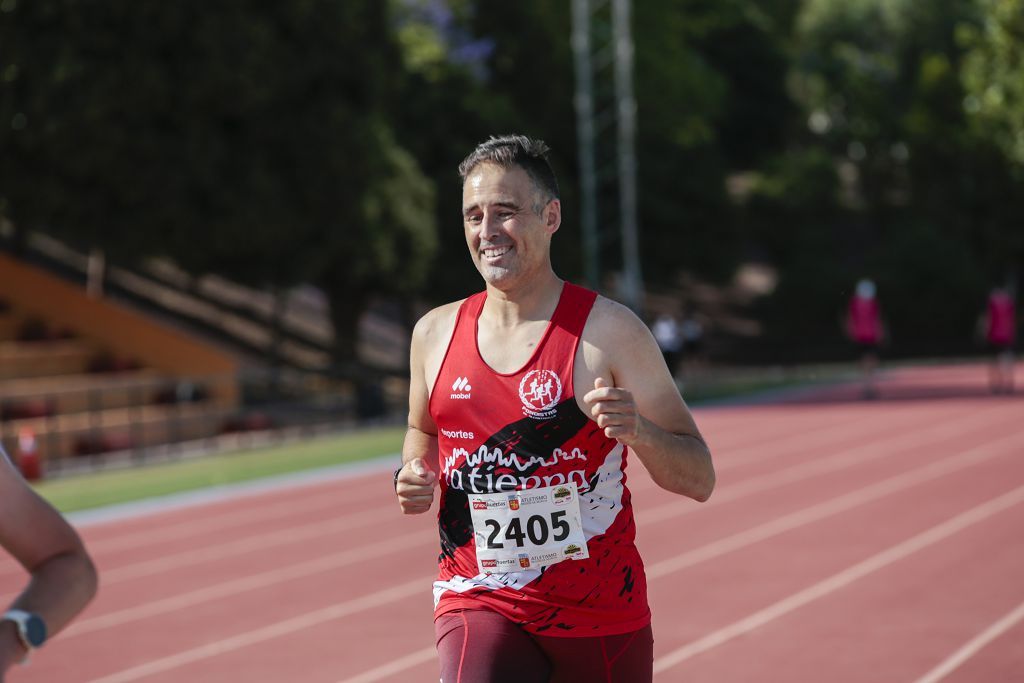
<point>21,620</point>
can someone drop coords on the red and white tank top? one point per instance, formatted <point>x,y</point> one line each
<point>523,430</point>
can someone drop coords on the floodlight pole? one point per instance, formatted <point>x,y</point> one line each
<point>584,103</point>
<point>626,105</point>
<point>586,15</point>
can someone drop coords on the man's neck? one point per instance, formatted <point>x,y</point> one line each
<point>534,300</point>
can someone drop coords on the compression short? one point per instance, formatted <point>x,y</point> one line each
<point>480,646</point>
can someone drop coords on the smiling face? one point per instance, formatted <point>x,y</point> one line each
<point>509,223</point>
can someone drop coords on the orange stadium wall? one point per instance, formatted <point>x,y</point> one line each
<point>32,291</point>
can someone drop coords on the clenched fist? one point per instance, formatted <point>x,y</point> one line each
<point>415,487</point>
<point>614,410</point>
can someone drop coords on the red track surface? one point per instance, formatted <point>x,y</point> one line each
<point>847,540</point>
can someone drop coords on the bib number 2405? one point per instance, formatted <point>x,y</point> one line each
<point>538,528</point>
<point>527,530</point>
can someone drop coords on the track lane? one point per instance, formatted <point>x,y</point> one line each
<point>415,635</point>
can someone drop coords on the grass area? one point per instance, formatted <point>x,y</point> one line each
<point>95,489</point>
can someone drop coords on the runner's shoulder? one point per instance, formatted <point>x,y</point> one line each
<point>613,323</point>
<point>437,324</point>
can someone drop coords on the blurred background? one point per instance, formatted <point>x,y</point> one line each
<point>222,219</point>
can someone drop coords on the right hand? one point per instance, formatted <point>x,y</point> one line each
<point>415,487</point>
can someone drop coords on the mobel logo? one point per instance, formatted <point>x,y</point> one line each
<point>461,388</point>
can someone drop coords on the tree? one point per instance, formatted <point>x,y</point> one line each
<point>243,138</point>
<point>993,78</point>
<point>921,192</point>
<point>993,73</point>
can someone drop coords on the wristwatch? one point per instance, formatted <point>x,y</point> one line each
<point>31,627</point>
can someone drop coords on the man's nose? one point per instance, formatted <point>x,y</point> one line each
<point>490,226</point>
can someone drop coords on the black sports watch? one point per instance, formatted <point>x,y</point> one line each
<point>31,627</point>
<point>397,472</point>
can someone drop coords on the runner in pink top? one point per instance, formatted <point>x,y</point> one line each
<point>1000,333</point>
<point>526,403</point>
<point>864,327</point>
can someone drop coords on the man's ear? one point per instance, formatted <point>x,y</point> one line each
<point>553,216</point>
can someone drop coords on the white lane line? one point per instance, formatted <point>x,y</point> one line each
<point>728,459</point>
<point>297,534</point>
<point>199,555</point>
<point>243,584</point>
<point>814,513</point>
<point>214,522</point>
<point>824,436</point>
<point>864,453</point>
<point>219,494</point>
<point>973,646</point>
<point>276,630</point>
<point>778,426</point>
<point>155,533</point>
<point>684,560</point>
<point>837,581</point>
<point>391,668</point>
<point>248,544</point>
<point>834,506</point>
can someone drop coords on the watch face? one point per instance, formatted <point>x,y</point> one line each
<point>35,630</point>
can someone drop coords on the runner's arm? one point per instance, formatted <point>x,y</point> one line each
<point>418,477</point>
<point>636,400</point>
<point>63,578</point>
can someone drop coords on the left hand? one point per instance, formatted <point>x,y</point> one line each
<point>614,410</point>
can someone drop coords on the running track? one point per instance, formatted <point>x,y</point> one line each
<point>847,540</point>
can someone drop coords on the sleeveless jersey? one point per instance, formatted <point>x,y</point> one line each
<point>523,430</point>
<point>1001,327</point>
<point>864,320</point>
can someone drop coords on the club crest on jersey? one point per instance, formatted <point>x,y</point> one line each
<point>540,391</point>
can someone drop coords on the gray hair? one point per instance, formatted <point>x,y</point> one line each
<point>508,151</point>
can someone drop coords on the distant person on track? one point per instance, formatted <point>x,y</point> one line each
<point>526,402</point>
<point>694,354</point>
<point>669,336</point>
<point>1000,334</point>
<point>63,579</point>
<point>864,327</point>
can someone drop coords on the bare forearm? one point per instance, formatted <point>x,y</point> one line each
<point>422,445</point>
<point>59,589</point>
<point>680,463</point>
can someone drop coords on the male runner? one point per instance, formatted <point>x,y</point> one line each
<point>526,402</point>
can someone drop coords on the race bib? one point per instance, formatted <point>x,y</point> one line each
<point>529,529</point>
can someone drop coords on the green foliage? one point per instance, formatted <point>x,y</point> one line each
<point>993,73</point>
<point>318,141</point>
<point>926,205</point>
<point>243,138</point>
<point>710,88</point>
<point>931,289</point>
